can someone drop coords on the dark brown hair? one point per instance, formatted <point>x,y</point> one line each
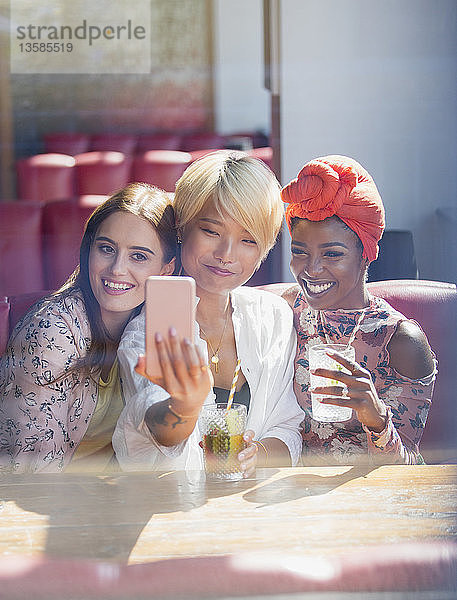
<point>151,204</point>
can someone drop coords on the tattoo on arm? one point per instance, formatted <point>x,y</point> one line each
<point>157,415</point>
<point>178,420</point>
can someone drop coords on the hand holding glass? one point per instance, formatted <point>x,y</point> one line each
<point>318,358</point>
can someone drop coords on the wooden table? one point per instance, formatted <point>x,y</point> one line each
<point>139,517</point>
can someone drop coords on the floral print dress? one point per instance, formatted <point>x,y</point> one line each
<point>45,407</point>
<point>408,401</point>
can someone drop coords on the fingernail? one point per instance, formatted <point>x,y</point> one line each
<point>186,341</point>
<point>158,337</point>
<point>172,332</point>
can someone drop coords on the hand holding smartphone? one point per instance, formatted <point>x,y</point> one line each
<point>170,302</point>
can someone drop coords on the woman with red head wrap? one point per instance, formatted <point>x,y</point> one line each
<point>338,185</point>
<point>336,218</point>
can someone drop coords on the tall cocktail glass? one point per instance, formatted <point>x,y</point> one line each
<point>222,439</point>
<point>318,359</point>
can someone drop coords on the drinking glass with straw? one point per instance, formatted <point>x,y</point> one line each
<point>222,427</point>
<point>233,386</point>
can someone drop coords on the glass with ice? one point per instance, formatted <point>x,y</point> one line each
<point>318,358</point>
<point>222,439</point>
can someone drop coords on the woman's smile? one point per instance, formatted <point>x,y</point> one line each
<point>125,252</point>
<point>116,287</point>
<point>327,263</point>
<point>317,288</point>
<point>219,271</point>
<point>218,252</point>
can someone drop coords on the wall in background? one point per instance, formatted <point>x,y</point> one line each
<point>176,95</point>
<point>240,101</point>
<point>378,81</point>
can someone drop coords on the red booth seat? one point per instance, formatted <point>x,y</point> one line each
<point>196,154</point>
<point>13,308</point>
<point>45,177</point>
<point>265,154</point>
<point>101,172</point>
<point>66,143</point>
<point>158,141</point>
<point>161,168</point>
<point>63,227</point>
<point>21,264</point>
<point>21,303</point>
<point>433,305</point>
<point>202,140</point>
<point>114,142</point>
<point>4,322</point>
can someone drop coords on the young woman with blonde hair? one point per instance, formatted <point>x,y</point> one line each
<point>228,213</point>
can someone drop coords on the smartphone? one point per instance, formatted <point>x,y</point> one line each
<point>170,301</point>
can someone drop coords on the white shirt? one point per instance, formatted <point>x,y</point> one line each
<point>265,342</point>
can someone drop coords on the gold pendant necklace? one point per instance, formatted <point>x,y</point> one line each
<point>215,353</point>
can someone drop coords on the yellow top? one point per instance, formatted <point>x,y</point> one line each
<point>95,452</point>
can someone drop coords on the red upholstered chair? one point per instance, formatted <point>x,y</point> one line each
<point>21,266</point>
<point>158,141</point>
<point>196,154</point>
<point>66,143</point>
<point>265,154</point>
<point>161,168</point>
<point>114,142</point>
<point>4,322</point>
<point>101,172</point>
<point>63,227</point>
<point>45,177</point>
<point>433,305</point>
<point>202,140</point>
<point>20,304</point>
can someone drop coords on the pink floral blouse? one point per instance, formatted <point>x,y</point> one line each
<point>408,401</point>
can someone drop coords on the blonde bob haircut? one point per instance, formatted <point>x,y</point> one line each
<point>241,185</point>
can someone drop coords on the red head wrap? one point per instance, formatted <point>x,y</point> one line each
<point>338,185</point>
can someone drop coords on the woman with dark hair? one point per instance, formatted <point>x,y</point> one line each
<point>336,219</point>
<point>60,390</point>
